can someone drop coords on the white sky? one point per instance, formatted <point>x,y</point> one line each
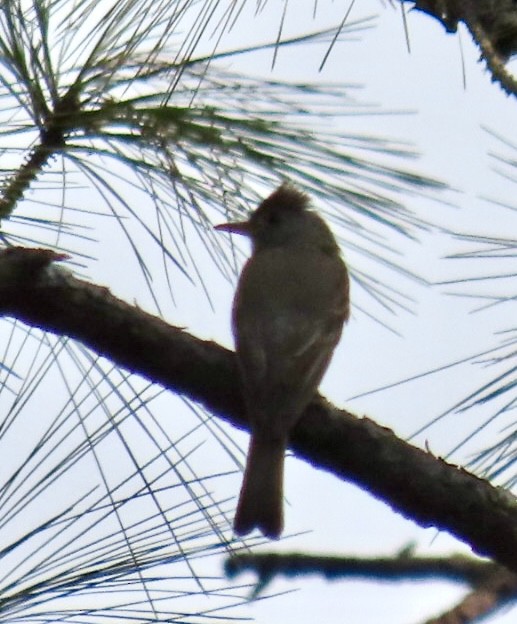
<point>446,128</point>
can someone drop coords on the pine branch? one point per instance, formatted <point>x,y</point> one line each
<point>420,486</point>
<point>492,24</point>
<point>492,586</point>
<point>400,567</point>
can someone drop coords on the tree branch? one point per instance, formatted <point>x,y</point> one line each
<point>492,24</point>
<point>484,600</point>
<point>401,567</point>
<point>418,485</point>
<point>493,586</point>
<point>54,128</point>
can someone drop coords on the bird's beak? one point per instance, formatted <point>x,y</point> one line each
<point>238,227</point>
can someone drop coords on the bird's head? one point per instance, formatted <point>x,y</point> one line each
<point>284,219</point>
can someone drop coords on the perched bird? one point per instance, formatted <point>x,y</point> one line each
<point>288,313</point>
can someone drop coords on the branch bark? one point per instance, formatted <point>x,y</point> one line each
<point>491,23</point>
<point>401,567</point>
<point>492,586</point>
<point>418,485</point>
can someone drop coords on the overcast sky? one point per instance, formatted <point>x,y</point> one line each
<point>444,119</point>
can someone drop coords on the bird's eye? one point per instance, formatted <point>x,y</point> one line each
<point>273,217</point>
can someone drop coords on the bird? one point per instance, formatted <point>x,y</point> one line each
<point>290,305</point>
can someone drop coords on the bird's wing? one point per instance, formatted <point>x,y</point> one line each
<point>286,328</point>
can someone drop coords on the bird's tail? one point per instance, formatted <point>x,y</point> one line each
<point>261,498</point>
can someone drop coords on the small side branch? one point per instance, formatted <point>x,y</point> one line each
<point>53,133</point>
<point>492,585</point>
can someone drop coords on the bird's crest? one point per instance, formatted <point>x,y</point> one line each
<point>288,197</point>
